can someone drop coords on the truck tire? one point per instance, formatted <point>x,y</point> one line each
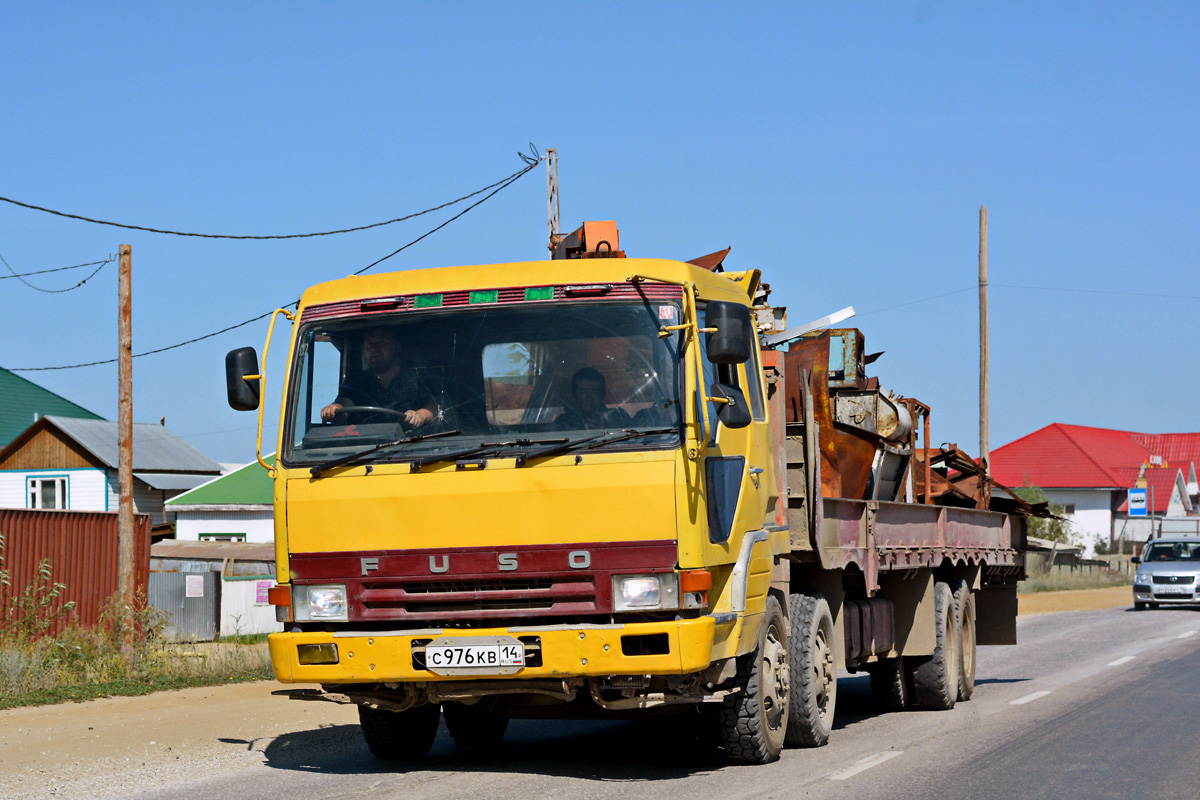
<point>889,684</point>
<point>472,727</point>
<point>813,672</point>
<point>752,721</point>
<point>935,678</point>
<point>399,735</point>
<point>964,607</point>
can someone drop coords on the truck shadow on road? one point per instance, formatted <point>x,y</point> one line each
<point>646,750</point>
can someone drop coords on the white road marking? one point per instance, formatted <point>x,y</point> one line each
<point>865,764</point>
<point>1185,634</point>
<point>1120,661</point>
<point>1029,698</point>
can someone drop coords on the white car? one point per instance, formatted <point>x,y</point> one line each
<point>1168,573</point>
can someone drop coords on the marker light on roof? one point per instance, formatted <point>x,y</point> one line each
<point>589,288</point>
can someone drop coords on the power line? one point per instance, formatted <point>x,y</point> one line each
<point>1096,291</point>
<point>531,162</point>
<point>503,185</point>
<point>914,302</point>
<point>56,269</point>
<point>21,276</point>
<point>82,218</point>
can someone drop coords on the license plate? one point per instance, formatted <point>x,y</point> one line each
<point>1172,589</point>
<point>464,655</point>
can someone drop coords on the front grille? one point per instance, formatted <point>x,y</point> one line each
<point>483,597</point>
<point>1177,580</point>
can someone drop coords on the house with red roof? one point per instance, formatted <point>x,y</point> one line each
<point>1089,471</point>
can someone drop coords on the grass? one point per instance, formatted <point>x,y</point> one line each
<point>47,657</point>
<point>86,663</point>
<point>1058,580</point>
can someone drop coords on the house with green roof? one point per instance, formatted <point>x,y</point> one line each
<point>237,507</point>
<point>23,402</point>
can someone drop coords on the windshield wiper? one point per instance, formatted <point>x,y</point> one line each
<point>485,448</point>
<point>354,458</point>
<point>596,440</point>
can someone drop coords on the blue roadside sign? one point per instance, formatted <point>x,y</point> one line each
<point>1137,503</point>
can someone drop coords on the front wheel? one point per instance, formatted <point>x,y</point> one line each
<point>399,735</point>
<point>751,722</point>
<point>814,673</point>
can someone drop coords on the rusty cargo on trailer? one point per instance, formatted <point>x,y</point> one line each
<point>609,486</point>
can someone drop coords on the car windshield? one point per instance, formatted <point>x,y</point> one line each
<point>505,377</point>
<point>1173,551</point>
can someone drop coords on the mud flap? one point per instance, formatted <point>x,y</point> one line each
<point>996,614</point>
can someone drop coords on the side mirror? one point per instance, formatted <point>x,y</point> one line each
<point>734,340</point>
<point>735,412</point>
<point>1135,560</point>
<point>243,393</point>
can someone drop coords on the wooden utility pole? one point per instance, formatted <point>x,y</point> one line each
<point>555,224</point>
<point>984,454</point>
<point>125,543</point>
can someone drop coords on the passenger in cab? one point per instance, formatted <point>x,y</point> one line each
<point>588,390</point>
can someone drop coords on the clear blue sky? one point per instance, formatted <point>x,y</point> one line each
<point>844,149</point>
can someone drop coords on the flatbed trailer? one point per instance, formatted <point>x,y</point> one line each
<point>748,513</point>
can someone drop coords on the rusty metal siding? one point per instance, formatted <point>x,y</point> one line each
<point>82,549</point>
<point>188,619</point>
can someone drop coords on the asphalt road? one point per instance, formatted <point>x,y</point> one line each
<point>1094,705</point>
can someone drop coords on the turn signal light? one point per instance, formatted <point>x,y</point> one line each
<point>280,595</point>
<point>695,580</point>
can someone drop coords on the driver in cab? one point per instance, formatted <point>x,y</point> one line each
<point>389,382</point>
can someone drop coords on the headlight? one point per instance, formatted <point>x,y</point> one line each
<point>645,592</point>
<point>320,602</point>
<point>1141,577</point>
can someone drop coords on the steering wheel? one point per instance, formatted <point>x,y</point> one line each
<point>350,410</point>
<point>371,410</point>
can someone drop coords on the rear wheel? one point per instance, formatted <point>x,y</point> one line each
<point>889,684</point>
<point>473,727</point>
<point>399,735</point>
<point>752,720</point>
<point>964,608</point>
<point>813,672</point>
<point>935,678</point>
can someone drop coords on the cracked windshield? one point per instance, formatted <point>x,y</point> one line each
<point>500,378</point>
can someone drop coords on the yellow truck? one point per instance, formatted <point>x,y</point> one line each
<point>600,486</point>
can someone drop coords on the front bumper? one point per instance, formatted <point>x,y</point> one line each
<point>1151,593</point>
<point>586,650</point>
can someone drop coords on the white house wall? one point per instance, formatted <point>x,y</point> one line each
<point>1093,512</point>
<point>86,488</point>
<point>259,526</point>
<point>241,613</point>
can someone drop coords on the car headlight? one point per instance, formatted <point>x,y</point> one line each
<point>1141,577</point>
<point>320,603</point>
<point>645,592</point>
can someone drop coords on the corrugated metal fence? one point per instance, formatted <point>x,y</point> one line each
<point>189,601</point>
<point>82,549</point>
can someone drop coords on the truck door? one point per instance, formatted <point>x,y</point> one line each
<point>736,472</point>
